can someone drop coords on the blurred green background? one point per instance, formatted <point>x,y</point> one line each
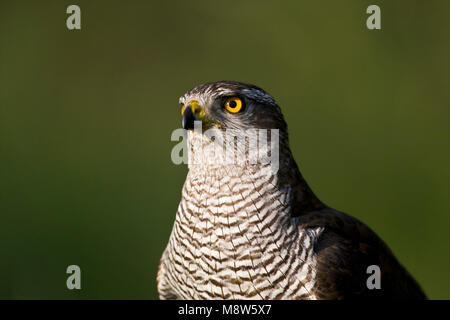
<point>86,117</point>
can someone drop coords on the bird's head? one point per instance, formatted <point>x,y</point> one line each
<point>230,105</point>
<point>241,124</point>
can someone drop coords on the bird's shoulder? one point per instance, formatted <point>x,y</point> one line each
<point>344,248</point>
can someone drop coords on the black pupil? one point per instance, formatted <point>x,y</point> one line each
<point>232,104</point>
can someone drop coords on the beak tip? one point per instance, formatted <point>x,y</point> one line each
<point>187,120</point>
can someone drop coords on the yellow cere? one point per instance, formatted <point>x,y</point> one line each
<point>200,113</point>
<point>233,105</point>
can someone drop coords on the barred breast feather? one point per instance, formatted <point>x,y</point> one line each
<point>234,238</point>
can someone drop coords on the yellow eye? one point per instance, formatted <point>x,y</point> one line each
<point>233,105</point>
<point>182,109</point>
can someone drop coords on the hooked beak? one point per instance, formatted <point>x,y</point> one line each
<point>191,113</point>
<point>187,119</point>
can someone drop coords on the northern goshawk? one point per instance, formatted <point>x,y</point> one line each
<point>245,229</point>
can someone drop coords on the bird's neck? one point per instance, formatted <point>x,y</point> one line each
<point>211,166</point>
<point>236,150</point>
